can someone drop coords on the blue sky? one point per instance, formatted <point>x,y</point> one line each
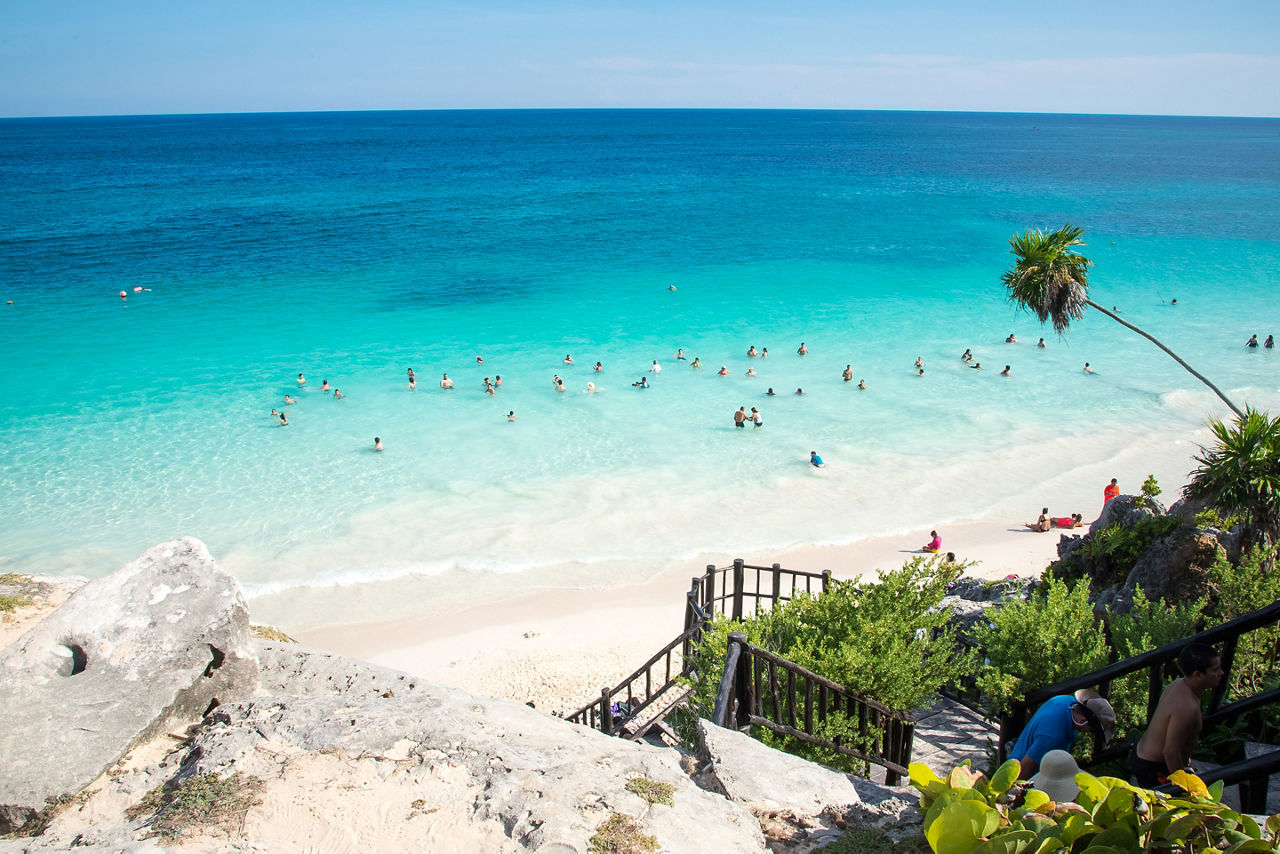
<point>110,57</point>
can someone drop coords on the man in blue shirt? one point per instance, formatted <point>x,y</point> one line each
<point>815,460</point>
<point>1055,724</point>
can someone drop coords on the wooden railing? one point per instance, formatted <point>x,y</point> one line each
<point>758,688</point>
<point>735,591</point>
<point>1224,638</point>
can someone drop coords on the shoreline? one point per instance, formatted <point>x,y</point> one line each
<point>557,648</point>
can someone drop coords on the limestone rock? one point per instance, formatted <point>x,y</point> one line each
<point>1125,510</point>
<point>1174,568</point>
<point>162,638</point>
<point>536,780</point>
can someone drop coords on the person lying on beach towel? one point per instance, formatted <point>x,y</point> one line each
<point>1075,520</point>
<point>1041,524</point>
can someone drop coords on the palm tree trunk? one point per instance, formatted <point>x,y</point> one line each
<point>1172,355</point>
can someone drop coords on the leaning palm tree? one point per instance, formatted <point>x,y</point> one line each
<point>1051,279</point>
<point>1241,474</point>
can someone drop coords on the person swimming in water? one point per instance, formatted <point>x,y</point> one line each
<point>862,384</point>
<point>680,354</point>
<point>967,356</point>
<point>445,382</point>
<point>377,443</point>
<point>1270,343</point>
<point>324,386</point>
<point>696,363</point>
<point>643,382</point>
<point>751,351</point>
<point>723,372</point>
<point>1252,343</point>
<point>751,372</point>
<point>568,359</point>
<point>598,368</point>
<point>1005,372</point>
<point>848,373</point>
<point>769,393</point>
<point>802,350</point>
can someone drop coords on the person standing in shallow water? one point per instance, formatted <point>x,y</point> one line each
<point>740,417</point>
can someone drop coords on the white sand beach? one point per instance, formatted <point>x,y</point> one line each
<point>558,648</point>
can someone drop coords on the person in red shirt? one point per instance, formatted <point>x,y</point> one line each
<point>1110,491</point>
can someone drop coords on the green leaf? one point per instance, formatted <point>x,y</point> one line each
<point>1215,790</point>
<point>1004,778</point>
<point>922,775</point>
<point>1249,845</point>
<point>960,826</point>
<point>1013,842</point>
<point>1119,836</point>
<point>1249,826</point>
<point>946,801</point>
<point>1036,799</point>
<point>1273,824</point>
<point>1181,827</point>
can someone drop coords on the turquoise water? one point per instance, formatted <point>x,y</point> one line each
<point>353,246</point>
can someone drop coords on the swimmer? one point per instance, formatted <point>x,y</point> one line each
<point>497,380</point>
<point>1087,369</point>
<point>764,352</point>
<point>815,460</point>
<point>511,416</point>
<point>557,382</point>
<point>1252,343</point>
<point>1005,372</point>
<point>800,392</point>
<point>967,356</point>
<point>1012,339</point>
<point>671,287</point>
<point>377,443</point>
<point>409,371</point>
<point>756,419</point>
<point>751,372</point>
<point>303,380</point>
<point>1040,343</point>
<point>325,385</point>
<point>723,372</point>
<point>337,395</point>
<point>848,373</point>
<point>643,382</point>
<point>275,414</point>
<point>1173,301</point>
<point>696,363</point>
<point>862,384</point>
<point>591,386</point>
<point>1270,343</point>
<point>284,420</point>
<point>598,367</point>
<point>488,388</point>
<point>919,361</point>
<point>769,393</point>
<point>680,354</point>
<point>740,417</point>
<point>479,360</point>
<point>568,359</point>
<point>921,372</point>
<point>290,399</point>
<point>977,366</point>
<point>751,351</point>
<point>656,369</point>
<point>445,382</point>
<point>802,350</point>
<point>413,383</point>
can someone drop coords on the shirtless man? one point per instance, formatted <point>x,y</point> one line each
<point>802,349</point>
<point>740,417</point>
<point>445,382</point>
<point>848,373</point>
<point>1171,737</point>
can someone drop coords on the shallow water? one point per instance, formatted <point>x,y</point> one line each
<point>353,246</point>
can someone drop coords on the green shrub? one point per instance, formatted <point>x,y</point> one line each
<point>1242,588</point>
<point>1106,557</point>
<point>967,813</point>
<point>884,639</point>
<point>1213,517</point>
<point>1030,644</point>
<point>1148,625</point>
<point>1150,489</point>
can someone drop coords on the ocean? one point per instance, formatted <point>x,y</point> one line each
<point>352,247</point>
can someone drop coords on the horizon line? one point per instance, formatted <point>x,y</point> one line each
<point>628,109</point>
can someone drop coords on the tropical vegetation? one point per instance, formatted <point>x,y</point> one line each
<point>1241,474</point>
<point>1051,279</point>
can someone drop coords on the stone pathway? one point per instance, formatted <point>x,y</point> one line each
<point>948,733</point>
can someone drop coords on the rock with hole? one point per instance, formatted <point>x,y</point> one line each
<point>161,640</point>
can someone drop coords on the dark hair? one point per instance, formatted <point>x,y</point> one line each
<point>1196,658</point>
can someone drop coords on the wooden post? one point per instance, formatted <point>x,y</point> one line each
<point>1228,658</point>
<point>777,583</point>
<point>738,582</point>
<point>725,697</point>
<point>709,591</point>
<point>826,579</point>
<point>606,713</point>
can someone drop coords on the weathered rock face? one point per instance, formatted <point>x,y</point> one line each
<point>1173,568</point>
<point>163,638</point>
<point>1126,510</point>
<point>540,781</point>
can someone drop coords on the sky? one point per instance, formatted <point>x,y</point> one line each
<point>128,57</point>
